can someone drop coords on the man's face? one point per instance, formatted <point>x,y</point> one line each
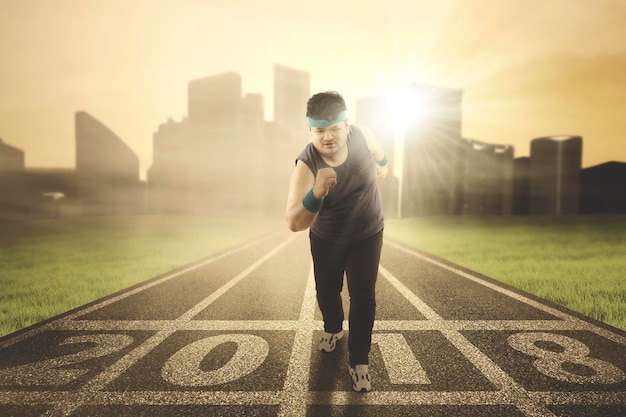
<point>329,140</point>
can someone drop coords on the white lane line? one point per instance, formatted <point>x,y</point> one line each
<point>220,291</point>
<point>298,392</point>
<point>580,398</point>
<point>156,325</point>
<point>482,362</point>
<point>379,325</point>
<point>257,398</point>
<point>131,398</point>
<point>99,382</point>
<point>296,385</point>
<point>421,306</point>
<point>536,325</point>
<point>550,310</point>
<point>410,398</point>
<point>419,398</point>
<point>113,372</point>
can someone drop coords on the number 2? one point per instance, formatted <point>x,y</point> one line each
<point>54,371</point>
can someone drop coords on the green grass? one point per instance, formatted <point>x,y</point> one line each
<point>578,262</point>
<point>50,267</point>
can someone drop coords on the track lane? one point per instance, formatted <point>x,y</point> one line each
<point>236,335</point>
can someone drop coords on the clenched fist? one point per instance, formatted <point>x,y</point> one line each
<point>326,178</point>
<point>381,172</point>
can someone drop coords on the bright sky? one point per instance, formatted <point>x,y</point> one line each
<point>528,68</point>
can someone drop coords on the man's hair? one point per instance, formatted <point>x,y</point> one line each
<point>325,106</point>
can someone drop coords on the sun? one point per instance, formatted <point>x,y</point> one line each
<point>405,107</point>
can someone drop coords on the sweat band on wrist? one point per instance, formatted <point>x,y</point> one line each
<point>311,203</point>
<point>383,161</point>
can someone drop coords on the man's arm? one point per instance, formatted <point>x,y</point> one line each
<point>305,187</point>
<point>302,180</point>
<point>378,153</point>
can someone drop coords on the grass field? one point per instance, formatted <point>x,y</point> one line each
<point>52,266</point>
<point>578,262</point>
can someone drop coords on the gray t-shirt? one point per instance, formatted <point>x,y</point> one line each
<point>352,210</point>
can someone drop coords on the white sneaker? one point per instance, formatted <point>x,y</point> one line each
<point>361,381</point>
<point>328,342</point>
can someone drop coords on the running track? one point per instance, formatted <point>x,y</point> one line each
<point>236,335</point>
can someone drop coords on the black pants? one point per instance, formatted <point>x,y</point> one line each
<point>359,260</point>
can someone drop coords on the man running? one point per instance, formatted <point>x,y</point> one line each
<point>333,192</point>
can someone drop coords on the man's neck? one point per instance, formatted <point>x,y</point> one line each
<point>338,158</point>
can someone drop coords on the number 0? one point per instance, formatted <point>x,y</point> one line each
<point>183,368</point>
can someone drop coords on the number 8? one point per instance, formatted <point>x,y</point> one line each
<point>551,363</point>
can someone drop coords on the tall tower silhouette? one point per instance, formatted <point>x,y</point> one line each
<point>215,100</point>
<point>291,92</point>
<point>94,140</point>
<point>487,179</point>
<point>224,130</point>
<point>107,170</point>
<point>555,164</point>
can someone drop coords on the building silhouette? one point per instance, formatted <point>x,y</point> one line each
<point>104,182</point>
<point>202,165</point>
<point>107,170</point>
<point>284,137</point>
<point>168,178</point>
<point>215,100</point>
<point>603,188</point>
<point>13,199</point>
<point>224,159</point>
<point>292,89</point>
<point>100,152</point>
<point>11,158</point>
<point>521,186</point>
<point>555,164</point>
<point>487,179</point>
<point>40,193</point>
<point>221,146</point>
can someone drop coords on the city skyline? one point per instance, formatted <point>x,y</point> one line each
<point>527,71</point>
<point>444,174</point>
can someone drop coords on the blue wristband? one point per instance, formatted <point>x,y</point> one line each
<point>311,203</point>
<point>383,161</point>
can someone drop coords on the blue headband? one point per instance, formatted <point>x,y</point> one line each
<point>325,123</point>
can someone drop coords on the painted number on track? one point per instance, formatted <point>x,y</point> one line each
<point>400,362</point>
<point>557,356</point>
<point>568,362</point>
<point>183,368</point>
<point>58,371</point>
